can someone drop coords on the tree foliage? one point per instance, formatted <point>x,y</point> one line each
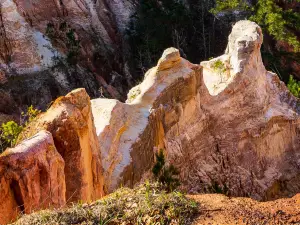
<point>278,22</point>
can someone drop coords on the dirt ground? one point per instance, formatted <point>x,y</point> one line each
<point>219,209</point>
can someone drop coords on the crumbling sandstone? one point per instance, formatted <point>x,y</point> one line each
<point>228,125</point>
<point>70,121</point>
<point>31,177</point>
<point>128,133</point>
<point>34,68</point>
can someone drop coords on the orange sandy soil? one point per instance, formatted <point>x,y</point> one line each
<point>219,209</point>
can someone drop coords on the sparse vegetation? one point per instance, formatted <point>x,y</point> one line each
<point>133,94</point>
<point>9,134</point>
<point>146,204</point>
<point>294,86</point>
<point>63,35</point>
<point>10,131</point>
<point>219,189</point>
<point>30,114</point>
<point>166,175</point>
<point>219,66</point>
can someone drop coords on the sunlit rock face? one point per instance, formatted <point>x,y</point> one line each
<point>128,133</point>
<point>228,125</point>
<point>31,178</point>
<point>71,123</point>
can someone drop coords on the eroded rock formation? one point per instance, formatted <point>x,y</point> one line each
<point>128,133</point>
<point>31,177</point>
<point>71,123</point>
<point>228,124</point>
<point>28,53</point>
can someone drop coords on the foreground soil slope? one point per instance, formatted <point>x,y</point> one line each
<point>219,209</point>
<point>150,204</point>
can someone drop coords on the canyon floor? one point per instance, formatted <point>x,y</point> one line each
<point>219,209</point>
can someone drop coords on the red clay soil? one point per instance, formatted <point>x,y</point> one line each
<point>219,209</point>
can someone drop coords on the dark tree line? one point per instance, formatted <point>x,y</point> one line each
<point>188,26</point>
<point>200,29</point>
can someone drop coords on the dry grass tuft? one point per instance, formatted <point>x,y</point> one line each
<point>146,204</point>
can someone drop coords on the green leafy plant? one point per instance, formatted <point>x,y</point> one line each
<point>30,114</point>
<point>225,5</point>
<point>166,175</point>
<point>294,86</point>
<point>10,131</point>
<point>9,134</point>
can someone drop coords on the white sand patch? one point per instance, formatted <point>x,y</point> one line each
<point>102,108</point>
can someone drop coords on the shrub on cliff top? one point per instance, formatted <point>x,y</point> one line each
<point>9,134</point>
<point>10,131</point>
<point>146,204</point>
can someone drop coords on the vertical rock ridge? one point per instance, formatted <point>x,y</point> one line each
<point>71,123</point>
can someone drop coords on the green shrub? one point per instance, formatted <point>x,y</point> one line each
<point>219,66</point>
<point>9,134</point>
<point>30,114</point>
<point>64,36</point>
<point>166,175</point>
<point>10,131</point>
<point>294,86</point>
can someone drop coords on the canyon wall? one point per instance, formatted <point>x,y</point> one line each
<point>33,66</point>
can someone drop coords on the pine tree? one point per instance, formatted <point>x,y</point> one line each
<point>166,175</point>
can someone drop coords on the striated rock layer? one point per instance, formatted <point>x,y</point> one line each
<point>70,121</point>
<point>31,177</point>
<point>28,53</point>
<point>228,125</point>
<point>128,133</point>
